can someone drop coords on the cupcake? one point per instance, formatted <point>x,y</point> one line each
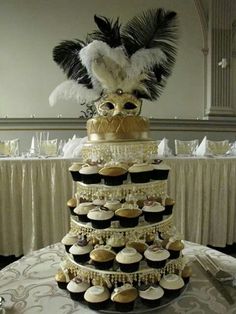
<point>151,296</point>
<point>99,202</point>
<point>186,273</point>
<point>160,171</point>
<point>77,288</point>
<point>172,284</point>
<point>128,259</point>
<point>113,205</point>
<point>97,297</point>
<point>71,203</point>
<point>156,256</point>
<point>74,170</point>
<point>117,242</point>
<point>103,257</point>
<point>62,278</point>
<point>128,215</point>
<point>81,250</point>
<point>82,211</point>
<point>169,204</point>
<point>89,174</point>
<point>153,211</point>
<point>68,240</point>
<point>124,297</point>
<point>140,173</point>
<point>113,175</point>
<point>174,246</point>
<point>100,217</point>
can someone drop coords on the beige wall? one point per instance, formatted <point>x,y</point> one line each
<point>29,29</point>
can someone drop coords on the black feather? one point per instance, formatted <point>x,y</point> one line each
<point>153,29</point>
<point>66,55</point>
<point>107,32</point>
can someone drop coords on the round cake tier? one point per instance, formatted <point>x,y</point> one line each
<point>120,151</point>
<point>118,128</point>
<point>140,190</point>
<point>144,229</point>
<point>112,277</point>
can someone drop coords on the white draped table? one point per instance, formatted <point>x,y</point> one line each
<point>34,192</point>
<point>28,286</point>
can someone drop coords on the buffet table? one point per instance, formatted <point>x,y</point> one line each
<point>34,193</point>
<point>28,285</point>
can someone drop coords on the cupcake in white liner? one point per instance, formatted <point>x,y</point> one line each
<point>151,296</point>
<point>124,297</point>
<point>100,217</point>
<point>77,288</point>
<point>172,284</point>
<point>74,170</point>
<point>82,211</point>
<point>128,259</point>
<point>153,211</point>
<point>156,256</point>
<point>117,242</point>
<point>140,172</point>
<point>69,239</point>
<point>89,174</point>
<point>97,297</point>
<point>81,250</point>
<point>102,256</point>
<point>160,171</point>
<point>71,204</point>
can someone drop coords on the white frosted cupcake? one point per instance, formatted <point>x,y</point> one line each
<point>89,174</point>
<point>100,217</point>
<point>81,250</point>
<point>77,288</point>
<point>172,284</point>
<point>124,297</point>
<point>117,242</point>
<point>140,173</point>
<point>74,170</point>
<point>69,239</point>
<point>151,296</point>
<point>97,297</point>
<point>153,211</point>
<point>128,259</point>
<point>82,211</point>
<point>160,171</point>
<point>156,256</point>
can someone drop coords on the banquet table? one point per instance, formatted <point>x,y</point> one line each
<point>34,192</point>
<point>28,285</point>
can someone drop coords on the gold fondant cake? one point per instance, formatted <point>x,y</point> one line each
<point>117,128</point>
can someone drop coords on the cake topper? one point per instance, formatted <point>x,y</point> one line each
<point>116,67</point>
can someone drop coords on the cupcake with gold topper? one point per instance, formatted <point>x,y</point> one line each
<point>124,297</point>
<point>102,256</point>
<point>128,215</point>
<point>72,203</point>
<point>174,245</point>
<point>113,175</point>
<point>63,277</point>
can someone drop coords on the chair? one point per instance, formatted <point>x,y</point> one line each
<point>186,148</point>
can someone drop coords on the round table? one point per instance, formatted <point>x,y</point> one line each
<point>28,285</point>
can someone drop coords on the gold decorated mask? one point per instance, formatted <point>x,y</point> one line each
<point>119,103</point>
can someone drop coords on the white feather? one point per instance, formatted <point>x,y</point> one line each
<point>72,90</point>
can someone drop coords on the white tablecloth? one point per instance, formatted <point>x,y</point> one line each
<point>28,286</point>
<point>34,193</point>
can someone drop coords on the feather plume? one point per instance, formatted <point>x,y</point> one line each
<point>66,55</point>
<point>70,90</point>
<point>107,32</point>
